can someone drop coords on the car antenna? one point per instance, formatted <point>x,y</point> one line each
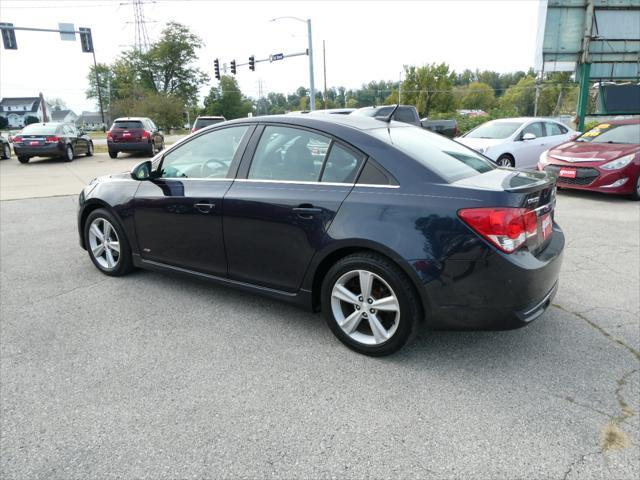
<point>388,118</point>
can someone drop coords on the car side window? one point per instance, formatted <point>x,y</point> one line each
<point>206,156</point>
<point>342,165</point>
<point>404,115</point>
<point>554,129</point>
<point>285,153</point>
<point>67,130</point>
<point>535,128</point>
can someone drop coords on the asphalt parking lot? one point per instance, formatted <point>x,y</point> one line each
<point>154,376</point>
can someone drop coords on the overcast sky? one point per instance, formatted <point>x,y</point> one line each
<point>365,40</point>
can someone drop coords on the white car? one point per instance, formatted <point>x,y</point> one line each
<point>516,142</point>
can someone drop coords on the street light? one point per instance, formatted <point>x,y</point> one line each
<point>312,90</point>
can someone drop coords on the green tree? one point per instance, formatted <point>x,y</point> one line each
<point>520,98</point>
<point>105,77</point>
<point>429,88</point>
<point>168,66</point>
<point>478,96</point>
<point>227,100</point>
<point>165,110</point>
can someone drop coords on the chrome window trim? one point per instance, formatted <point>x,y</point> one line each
<point>304,182</point>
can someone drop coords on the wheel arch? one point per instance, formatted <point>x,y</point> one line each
<point>323,262</point>
<point>90,206</point>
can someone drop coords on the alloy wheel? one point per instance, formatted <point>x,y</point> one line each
<point>365,307</point>
<point>504,162</point>
<point>104,243</point>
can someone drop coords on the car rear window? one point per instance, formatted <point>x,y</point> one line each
<point>205,122</point>
<point>444,157</point>
<point>128,124</point>
<point>39,129</point>
<point>494,130</point>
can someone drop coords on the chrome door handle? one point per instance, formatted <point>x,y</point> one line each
<point>306,212</point>
<point>204,207</point>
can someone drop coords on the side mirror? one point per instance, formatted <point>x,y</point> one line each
<point>142,171</point>
<point>528,136</point>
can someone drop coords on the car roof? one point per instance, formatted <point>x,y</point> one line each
<point>210,117</point>
<point>318,121</point>
<point>622,121</point>
<point>130,118</point>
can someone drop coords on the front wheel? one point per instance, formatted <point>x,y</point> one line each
<point>90,149</point>
<point>107,243</point>
<point>370,304</point>
<point>636,193</point>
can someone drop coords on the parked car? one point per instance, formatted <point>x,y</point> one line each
<point>6,148</point>
<point>409,114</point>
<point>206,121</point>
<point>448,128</point>
<point>605,159</point>
<point>134,134</point>
<point>51,139</point>
<point>516,142</point>
<point>393,226</point>
<point>404,113</point>
<point>333,111</point>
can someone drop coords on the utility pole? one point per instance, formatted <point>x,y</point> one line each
<point>584,71</point>
<point>312,89</point>
<point>324,64</point>
<point>95,69</point>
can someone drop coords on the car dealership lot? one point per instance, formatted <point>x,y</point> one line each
<point>163,377</point>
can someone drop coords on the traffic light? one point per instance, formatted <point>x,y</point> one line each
<point>252,63</point>
<point>216,69</point>
<point>86,42</point>
<point>233,67</point>
<point>9,37</point>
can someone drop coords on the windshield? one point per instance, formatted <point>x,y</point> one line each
<point>446,158</point>
<point>39,129</point>
<point>494,130</point>
<point>612,133</point>
<point>205,122</point>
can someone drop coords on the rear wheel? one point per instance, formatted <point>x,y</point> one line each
<point>107,243</point>
<point>152,150</point>
<point>23,159</point>
<point>113,154</point>
<point>506,161</point>
<point>6,151</point>
<point>90,149</point>
<point>370,304</point>
<point>636,193</point>
<point>68,154</point>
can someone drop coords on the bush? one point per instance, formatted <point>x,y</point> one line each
<point>31,119</point>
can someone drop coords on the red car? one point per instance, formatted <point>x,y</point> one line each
<point>605,159</point>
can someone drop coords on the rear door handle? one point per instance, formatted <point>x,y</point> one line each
<point>306,212</point>
<point>204,207</point>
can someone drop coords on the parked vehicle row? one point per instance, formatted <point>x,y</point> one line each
<point>409,114</point>
<point>382,226</point>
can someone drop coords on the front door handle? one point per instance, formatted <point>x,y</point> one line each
<point>204,207</point>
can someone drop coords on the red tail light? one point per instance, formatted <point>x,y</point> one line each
<point>506,228</point>
<point>52,140</point>
<point>17,140</point>
<point>146,134</point>
<point>109,136</point>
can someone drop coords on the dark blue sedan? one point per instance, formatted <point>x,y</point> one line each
<point>382,226</point>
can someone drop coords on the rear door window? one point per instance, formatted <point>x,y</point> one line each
<point>554,129</point>
<point>535,128</point>
<point>289,154</point>
<point>342,165</point>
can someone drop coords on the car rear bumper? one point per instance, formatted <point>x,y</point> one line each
<point>498,291</point>
<point>49,150</point>
<point>143,146</point>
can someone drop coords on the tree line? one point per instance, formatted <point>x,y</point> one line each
<point>163,83</point>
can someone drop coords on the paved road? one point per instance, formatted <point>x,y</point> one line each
<point>153,376</point>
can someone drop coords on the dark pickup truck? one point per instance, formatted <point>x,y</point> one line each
<point>409,114</point>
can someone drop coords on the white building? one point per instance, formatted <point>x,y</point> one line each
<point>64,116</point>
<point>17,109</point>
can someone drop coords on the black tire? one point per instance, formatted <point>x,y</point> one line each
<point>69,154</point>
<point>152,151</point>
<point>90,149</point>
<point>124,263</point>
<point>113,154</point>
<point>6,151</point>
<point>506,160</point>
<point>23,159</point>
<point>410,310</point>
<point>161,146</point>
<point>636,194</point>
